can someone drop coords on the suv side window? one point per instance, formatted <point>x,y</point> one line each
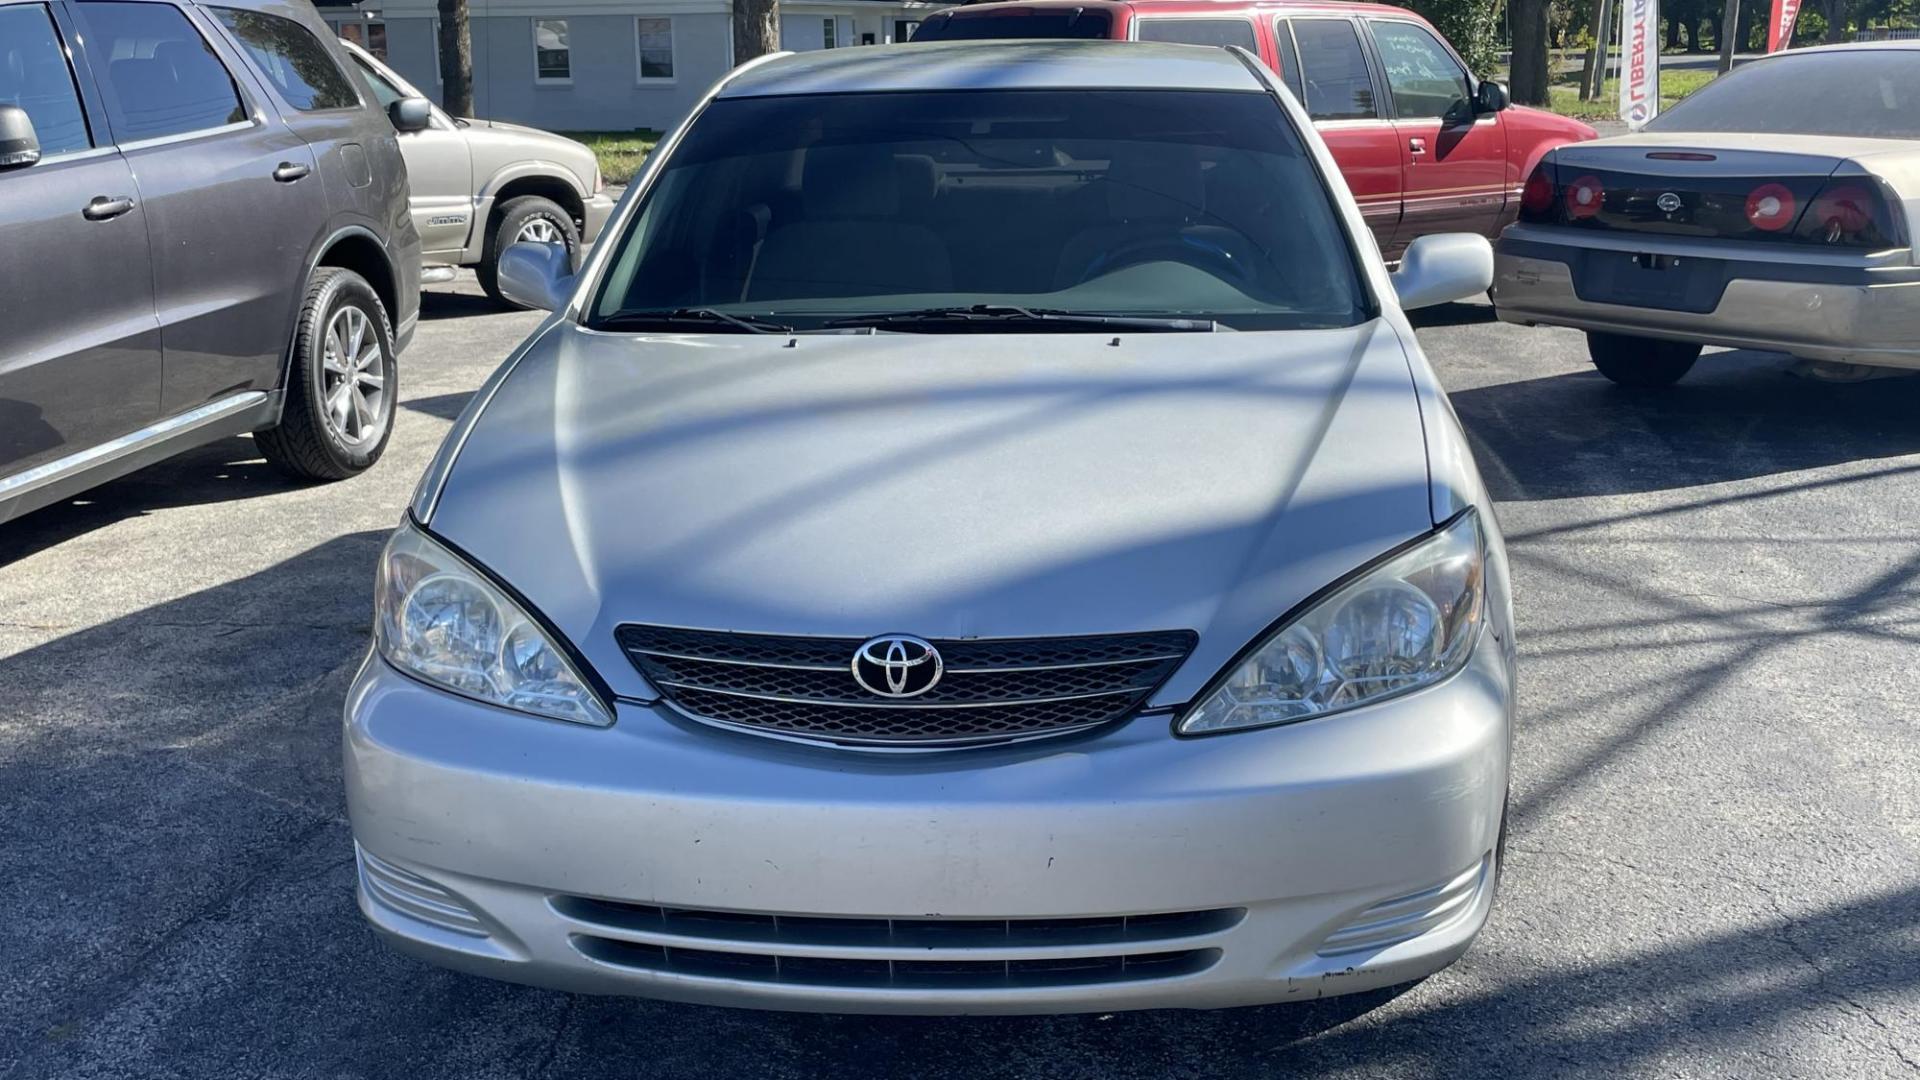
<point>1339,87</point>
<point>162,78</point>
<point>1426,81</point>
<point>292,59</point>
<point>34,76</point>
<point>1199,32</point>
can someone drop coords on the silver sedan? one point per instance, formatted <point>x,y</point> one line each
<point>980,536</point>
<point>1771,210</point>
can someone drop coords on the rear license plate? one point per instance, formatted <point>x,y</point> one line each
<point>1651,281</point>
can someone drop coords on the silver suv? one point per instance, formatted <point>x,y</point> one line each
<point>480,186</point>
<point>206,234</point>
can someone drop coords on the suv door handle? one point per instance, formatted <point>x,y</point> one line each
<point>104,207</point>
<point>289,171</point>
<point>1417,146</point>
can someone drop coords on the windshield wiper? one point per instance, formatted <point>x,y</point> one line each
<point>680,317</point>
<point>993,314</point>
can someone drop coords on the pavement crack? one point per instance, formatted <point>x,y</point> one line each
<point>560,1029</point>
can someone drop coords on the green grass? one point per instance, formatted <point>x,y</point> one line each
<point>620,152</point>
<point>1564,94</point>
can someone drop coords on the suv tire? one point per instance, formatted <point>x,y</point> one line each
<point>342,354</point>
<point>1638,361</point>
<point>527,217</point>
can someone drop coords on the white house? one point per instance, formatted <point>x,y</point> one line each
<point>601,65</point>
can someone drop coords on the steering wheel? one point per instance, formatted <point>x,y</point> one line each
<point>1184,248</point>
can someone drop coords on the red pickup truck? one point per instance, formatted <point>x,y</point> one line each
<point>1425,145</point>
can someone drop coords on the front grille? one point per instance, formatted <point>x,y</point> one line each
<point>814,930</point>
<point>864,972</point>
<point>943,954</point>
<point>990,689</point>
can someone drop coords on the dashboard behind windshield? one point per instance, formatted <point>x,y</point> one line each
<point>809,209</point>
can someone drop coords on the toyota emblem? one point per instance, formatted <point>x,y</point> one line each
<point>1668,202</point>
<point>896,666</point>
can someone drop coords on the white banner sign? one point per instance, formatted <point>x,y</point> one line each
<point>1639,61</point>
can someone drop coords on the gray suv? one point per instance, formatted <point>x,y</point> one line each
<point>207,234</point>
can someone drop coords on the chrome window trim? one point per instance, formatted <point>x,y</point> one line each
<point>197,133</point>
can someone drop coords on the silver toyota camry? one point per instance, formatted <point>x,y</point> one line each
<point>978,535</point>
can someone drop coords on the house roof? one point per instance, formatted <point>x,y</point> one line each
<point>996,65</point>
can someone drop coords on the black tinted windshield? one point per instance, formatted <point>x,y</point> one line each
<point>1870,93</point>
<point>806,209</point>
<point>1005,23</point>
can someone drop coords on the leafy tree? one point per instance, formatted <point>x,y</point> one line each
<point>1470,24</point>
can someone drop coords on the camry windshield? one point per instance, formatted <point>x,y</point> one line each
<point>1864,93</point>
<point>930,211</point>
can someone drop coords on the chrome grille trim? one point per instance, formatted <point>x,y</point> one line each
<point>991,689</point>
<point>930,706</point>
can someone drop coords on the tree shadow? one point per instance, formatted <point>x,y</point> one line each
<point>1738,415</point>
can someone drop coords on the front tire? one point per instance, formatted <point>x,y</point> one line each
<point>1638,361</point>
<point>527,218</point>
<point>341,383</point>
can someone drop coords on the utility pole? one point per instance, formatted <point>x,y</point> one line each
<point>1594,78</point>
<point>1729,29</point>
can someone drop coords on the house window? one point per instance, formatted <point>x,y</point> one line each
<point>656,48</point>
<point>552,60</point>
<point>371,36</point>
<point>829,29</point>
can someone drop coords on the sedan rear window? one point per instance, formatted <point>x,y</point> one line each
<point>1864,93</point>
<point>1008,23</point>
<point>1176,204</point>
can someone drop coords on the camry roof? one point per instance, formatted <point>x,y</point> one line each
<point>996,65</point>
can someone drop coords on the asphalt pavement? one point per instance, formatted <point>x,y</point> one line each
<point>1714,868</point>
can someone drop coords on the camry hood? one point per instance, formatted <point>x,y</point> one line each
<point>948,486</point>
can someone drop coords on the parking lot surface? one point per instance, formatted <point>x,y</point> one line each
<point>1714,867</point>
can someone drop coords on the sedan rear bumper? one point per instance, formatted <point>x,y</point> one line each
<point>1121,870</point>
<point>1864,314</point>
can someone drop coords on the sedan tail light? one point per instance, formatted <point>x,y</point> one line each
<point>1584,196</point>
<point>1850,211</point>
<point>1771,207</point>
<point>1536,199</point>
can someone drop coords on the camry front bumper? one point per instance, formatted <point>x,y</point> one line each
<point>1118,870</point>
<point>1859,311</point>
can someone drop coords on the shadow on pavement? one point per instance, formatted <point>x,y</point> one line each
<point>222,471</point>
<point>1737,415</point>
<point>1452,315</point>
<point>438,303</point>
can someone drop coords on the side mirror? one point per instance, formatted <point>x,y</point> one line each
<point>1491,97</point>
<point>19,146</point>
<point>541,275</point>
<point>1442,268</point>
<point>410,114</point>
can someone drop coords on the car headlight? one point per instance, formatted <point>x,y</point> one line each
<point>1407,622</point>
<point>441,621</point>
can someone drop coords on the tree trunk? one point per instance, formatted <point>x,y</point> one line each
<point>1673,35</point>
<point>456,59</point>
<point>1729,34</point>
<point>1531,66</point>
<point>1837,15</point>
<point>756,29</point>
<point>1593,77</point>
